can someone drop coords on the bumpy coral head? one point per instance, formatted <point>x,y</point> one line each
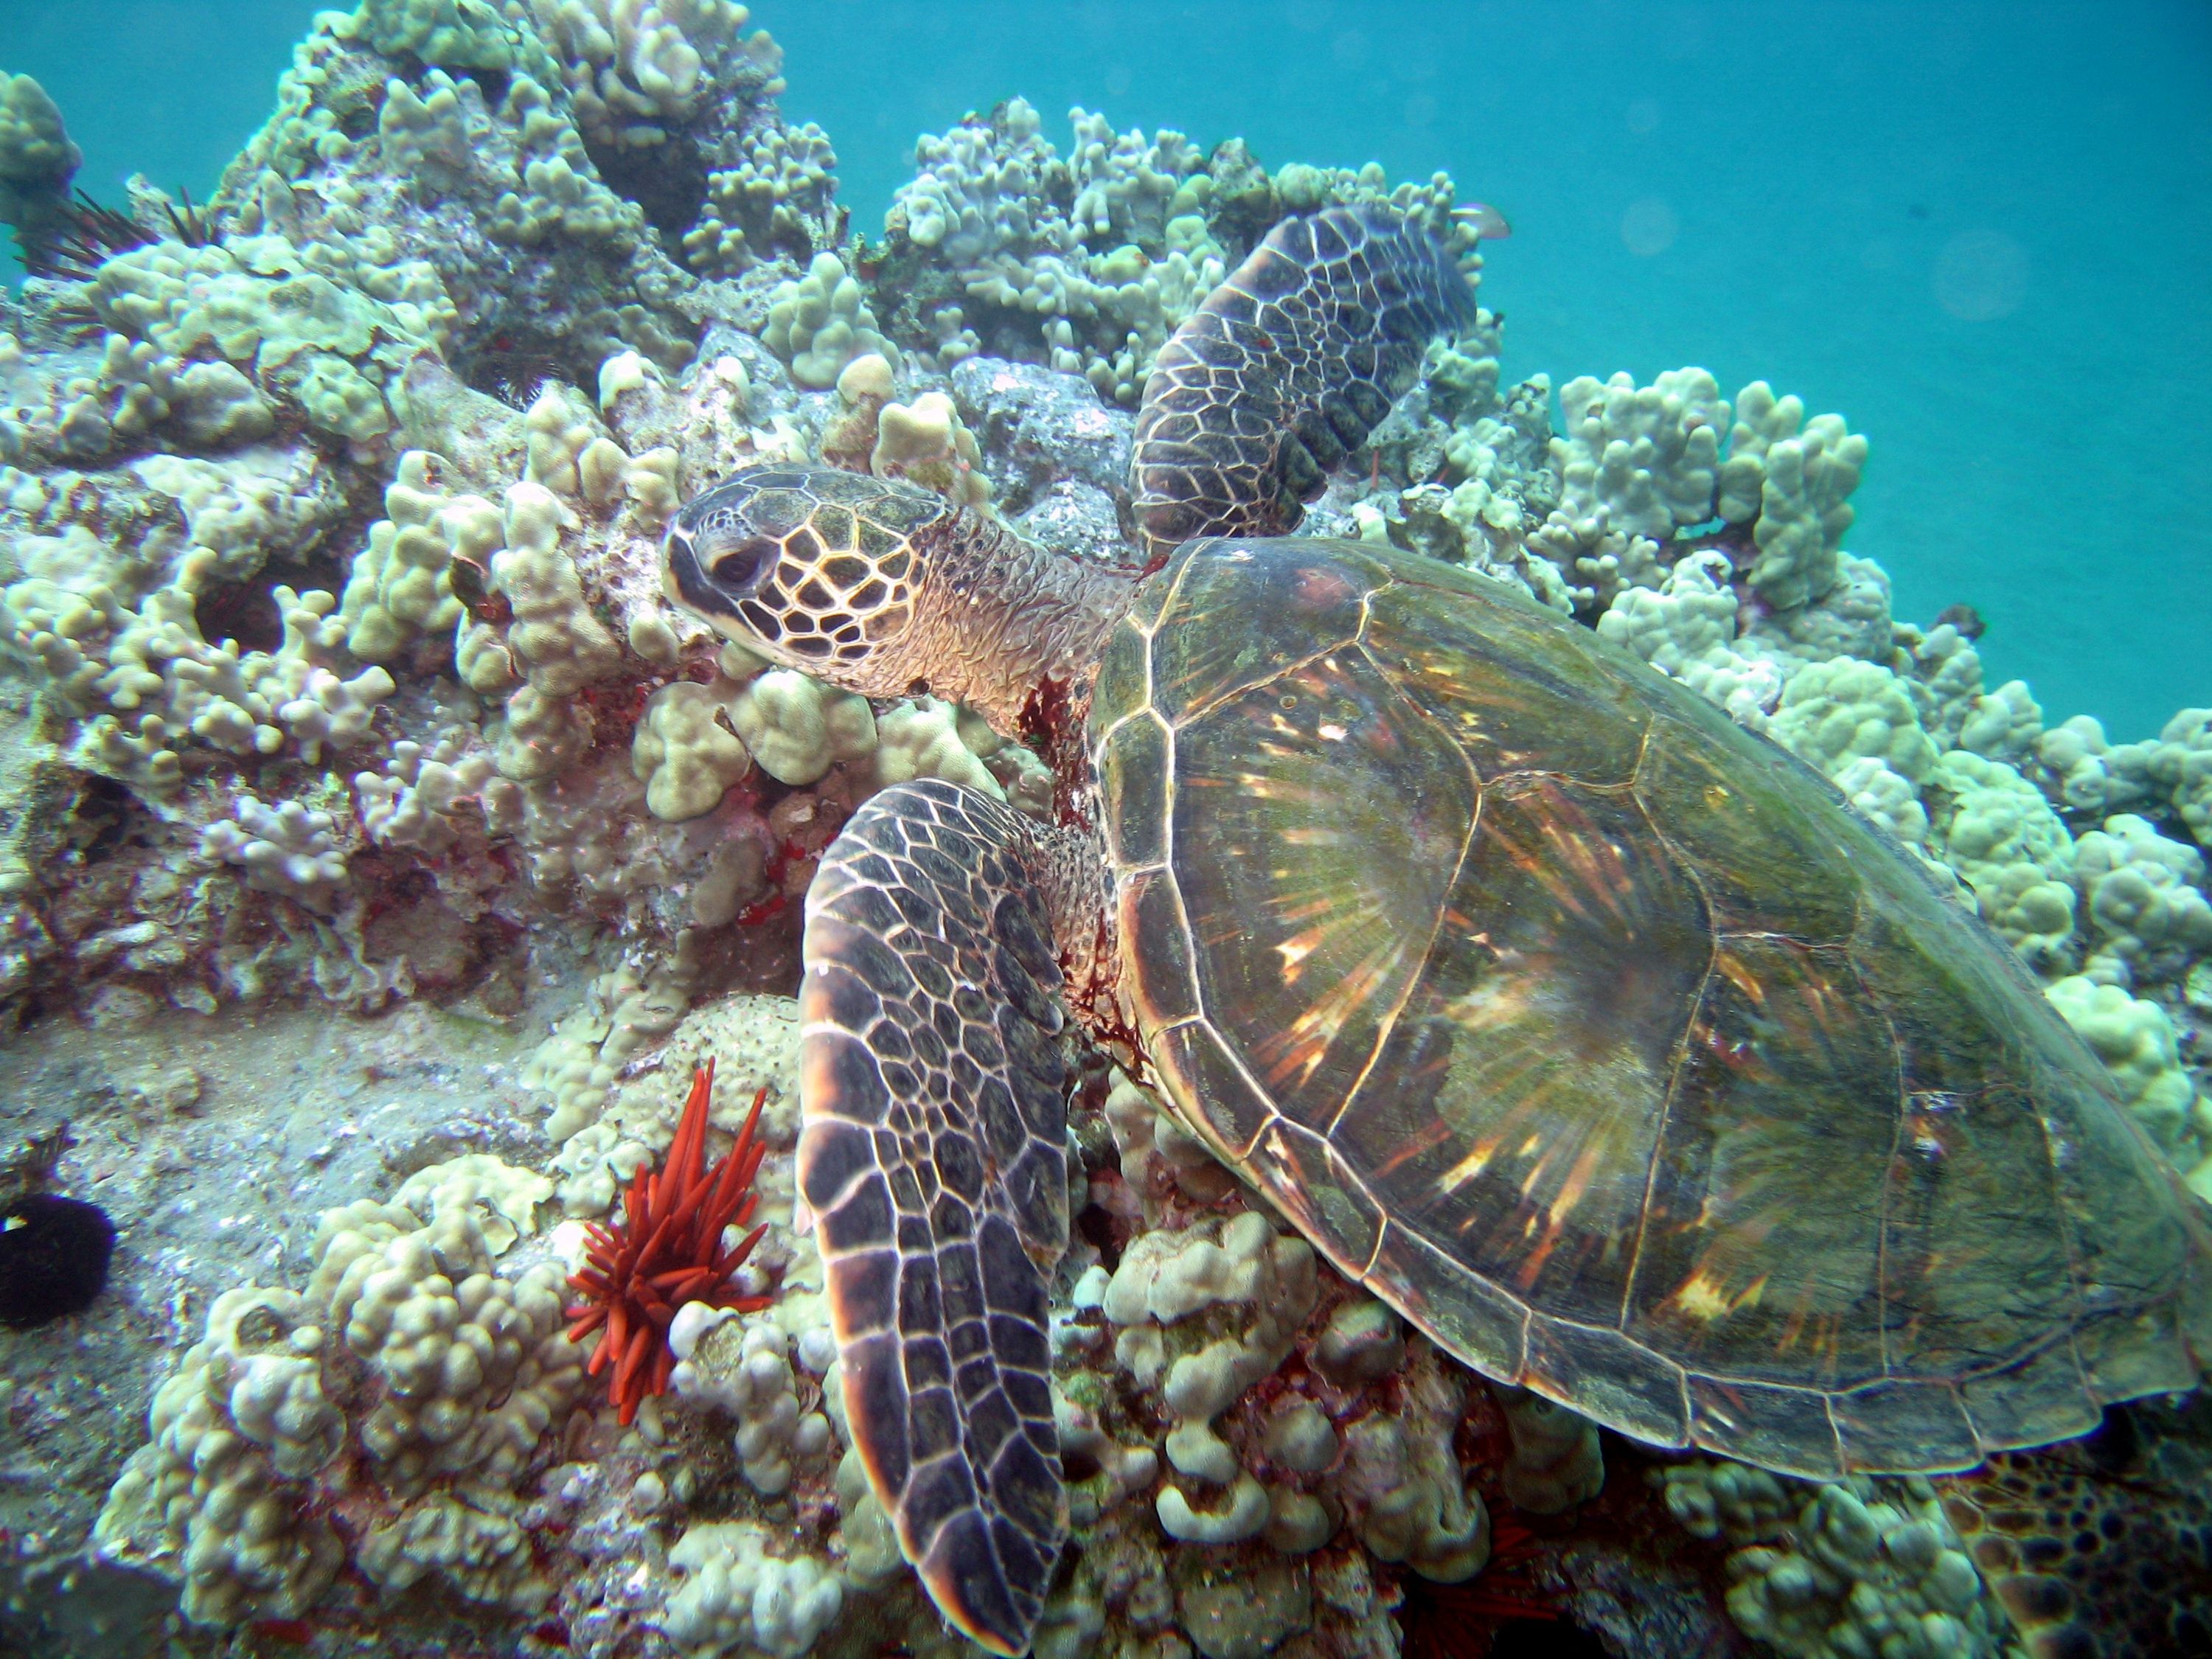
<point>815,569</point>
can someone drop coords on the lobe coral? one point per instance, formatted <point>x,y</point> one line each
<point>667,1250</point>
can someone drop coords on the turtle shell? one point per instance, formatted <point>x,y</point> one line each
<point>1600,1037</point>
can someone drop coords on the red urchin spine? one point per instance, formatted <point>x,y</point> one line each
<point>667,1250</point>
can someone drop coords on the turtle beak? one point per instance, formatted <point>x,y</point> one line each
<point>681,578</point>
<point>688,581</point>
<point>704,574</point>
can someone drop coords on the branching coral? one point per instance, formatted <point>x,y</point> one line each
<point>1090,260</point>
<point>776,196</point>
<point>820,322</point>
<point>1789,477</point>
<point>636,69</point>
<point>410,1385</point>
<point>667,1251</point>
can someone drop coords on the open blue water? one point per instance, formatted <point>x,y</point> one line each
<point>1982,232</point>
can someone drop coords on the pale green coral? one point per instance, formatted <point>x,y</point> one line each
<point>776,195</point>
<point>821,322</point>
<point>1128,188</point>
<point>1098,256</point>
<point>735,1597</point>
<point>286,848</point>
<point>2142,896</point>
<point>1409,1497</point>
<point>2179,767</point>
<point>417,801</point>
<point>1685,628</point>
<point>474,1367</point>
<point>1494,453</point>
<point>401,586</point>
<point>37,160</point>
<point>221,1494</point>
<point>473,1538</point>
<point>1556,1461</point>
<point>2080,767</point>
<point>1996,828</point>
<point>1790,479</point>
<point>555,641</point>
<point>1636,464</point>
<point>798,728</point>
<point>1105,279</point>
<point>339,399</point>
<point>928,443</point>
<point>636,69</point>
<point>1851,619</point>
<point>1884,798</point>
<point>2170,773</point>
<point>976,186</point>
<point>921,738</point>
<point>312,335</point>
<point>1834,712</point>
<point>1850,1570</point>
<point>744,1367</point>
<point>139,391</point>
<point>561,193</point>
<point>1166,1280</point>
<point>2005,724</point>
<point>456,1374</point>
<point>1639,459</point>
<point>2137,1041</point>
<point>686,751</point>
<point>425,136</point>
<point>151,686</point>
<point>240,512</point>
<point>460,35</point>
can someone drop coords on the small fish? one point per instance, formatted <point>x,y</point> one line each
<point>470,585</point>
<point>1487,222</point>
<point>1964,618</point>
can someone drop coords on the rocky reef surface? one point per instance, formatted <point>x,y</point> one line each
<point>380,854</point>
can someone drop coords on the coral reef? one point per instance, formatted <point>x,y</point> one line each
<point>1087,261</point>
<point>338,674</point>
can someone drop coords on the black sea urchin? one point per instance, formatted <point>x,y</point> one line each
<point>53,1258</point>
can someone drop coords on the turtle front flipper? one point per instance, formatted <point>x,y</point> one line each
<point>934,1158</point>
<point>1284,369</point>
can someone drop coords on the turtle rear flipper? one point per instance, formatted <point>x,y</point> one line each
<point>934,1158</point>
<point>1284,369</point>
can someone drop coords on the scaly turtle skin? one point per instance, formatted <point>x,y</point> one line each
<point>2100,1549</point>
<point>1592,1032</point>
<point>1284,371</point>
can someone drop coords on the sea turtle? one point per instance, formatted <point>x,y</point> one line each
<point>1592,1032</point>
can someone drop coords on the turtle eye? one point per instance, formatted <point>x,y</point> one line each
<point>739,570</point>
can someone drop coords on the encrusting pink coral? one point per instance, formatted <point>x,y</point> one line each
<point>667,1250</point>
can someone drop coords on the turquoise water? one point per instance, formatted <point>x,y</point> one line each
<point>1981,233</point>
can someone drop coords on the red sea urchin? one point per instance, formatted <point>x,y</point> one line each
<point>667,1250</point>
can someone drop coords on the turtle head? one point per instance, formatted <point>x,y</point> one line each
<point>816,569</point>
